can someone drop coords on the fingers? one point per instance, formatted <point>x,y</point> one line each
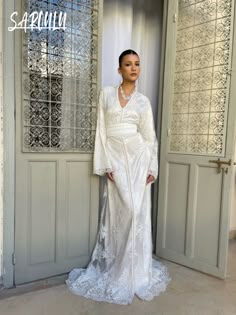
<point>110,176</point>
<point>150,179</point>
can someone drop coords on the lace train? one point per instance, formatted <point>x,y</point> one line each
<point>90,283</point>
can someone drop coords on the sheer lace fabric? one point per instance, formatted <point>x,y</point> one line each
<point>121,265</point>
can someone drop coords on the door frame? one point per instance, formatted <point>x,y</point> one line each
<point>8,146</point>
<point>159,123</point>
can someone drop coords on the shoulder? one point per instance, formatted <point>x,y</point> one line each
<point>107,95</point>
<point>108,90</point>
<point>143,98</point>
<point>143,101</point>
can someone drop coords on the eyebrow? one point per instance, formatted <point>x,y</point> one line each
<point>131,61</point>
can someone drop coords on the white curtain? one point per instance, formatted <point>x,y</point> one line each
<point>137,25</point>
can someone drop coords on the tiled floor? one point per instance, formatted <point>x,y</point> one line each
<point>189,293</point>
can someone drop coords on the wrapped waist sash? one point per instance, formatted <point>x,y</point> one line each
<point>121,129</point>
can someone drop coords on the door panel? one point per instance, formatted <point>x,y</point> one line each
<point>57,196</point>
<point>198,128</point>
<point>41,210</point>
<point>176,217</point>
<point>77,194</point>
<point>207,215</point>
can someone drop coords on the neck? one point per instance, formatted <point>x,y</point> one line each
<point>128,86</point>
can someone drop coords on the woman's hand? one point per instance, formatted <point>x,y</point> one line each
<point>110,176</point>
<point>150,179</point>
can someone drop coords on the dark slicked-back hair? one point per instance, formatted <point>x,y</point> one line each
<point>126,52</point>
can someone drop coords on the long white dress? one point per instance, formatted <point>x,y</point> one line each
<point>122,265</point>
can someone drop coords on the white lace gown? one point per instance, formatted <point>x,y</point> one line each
<point>122,265</point>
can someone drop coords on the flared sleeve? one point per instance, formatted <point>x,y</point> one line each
<point>101,162</point>
<point>147,129</point>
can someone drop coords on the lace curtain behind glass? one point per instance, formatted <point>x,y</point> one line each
<point>60,79</point>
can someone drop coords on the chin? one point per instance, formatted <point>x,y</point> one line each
<point>131,80</point>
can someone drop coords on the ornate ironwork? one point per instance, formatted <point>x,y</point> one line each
<point>60,79</point>
<point>201,79</point>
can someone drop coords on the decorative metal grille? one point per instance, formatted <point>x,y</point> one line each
<point>201,80</point>
<point>60,79</point>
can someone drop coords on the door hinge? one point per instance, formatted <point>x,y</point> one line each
<point>174,17</point>
<point>13,259</point>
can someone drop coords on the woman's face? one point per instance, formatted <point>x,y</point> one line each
<point>130,68</point>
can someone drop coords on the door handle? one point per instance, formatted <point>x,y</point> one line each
<point>219,164</point>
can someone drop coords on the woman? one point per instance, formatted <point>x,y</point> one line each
<point>126,152</point>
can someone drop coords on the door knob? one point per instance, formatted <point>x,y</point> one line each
<point>219,163</point>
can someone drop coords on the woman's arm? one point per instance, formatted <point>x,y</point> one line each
<point>101,162</point>
<point>147,129</point>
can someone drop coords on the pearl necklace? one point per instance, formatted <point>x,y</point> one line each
<point>127,98</point>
